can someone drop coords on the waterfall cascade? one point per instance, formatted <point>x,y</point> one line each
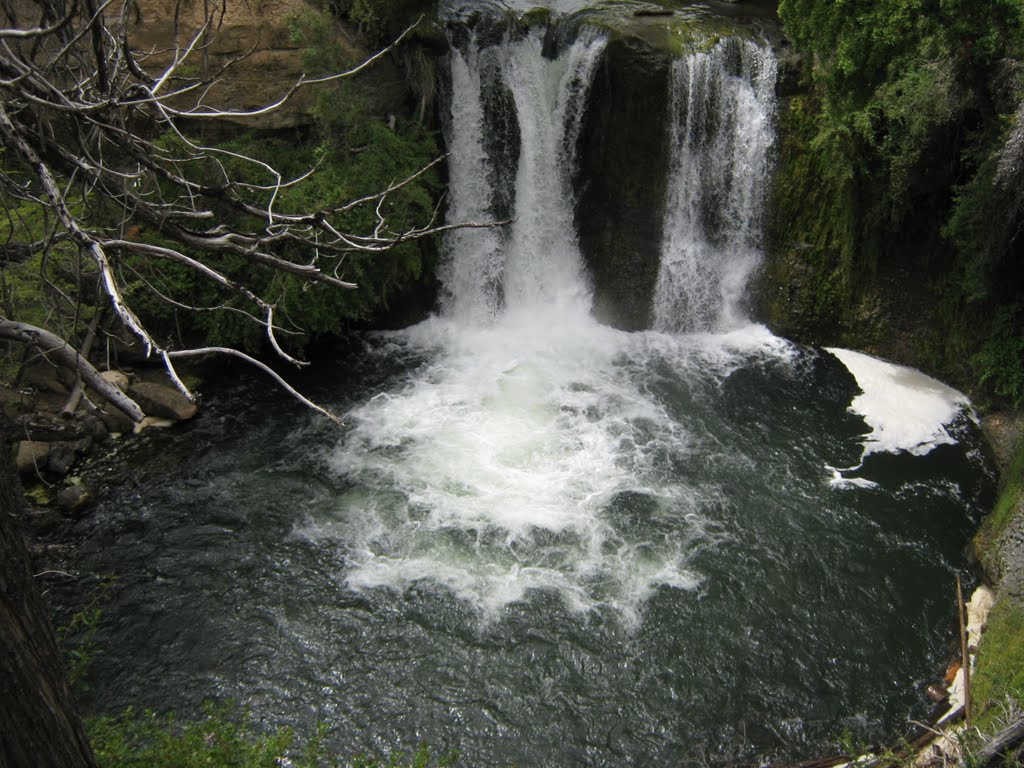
<point>722,103</point>
<point>538,259</point>
<point>719,138</point>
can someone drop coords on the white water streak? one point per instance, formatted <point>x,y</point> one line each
<point>540,262</point>
<point>723,101</point>
<point>472,282</point>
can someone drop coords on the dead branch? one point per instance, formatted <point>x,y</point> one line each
<point>999,745</point>
<point>82,113</point>
<point>57,350</point>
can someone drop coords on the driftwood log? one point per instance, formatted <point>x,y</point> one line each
<point>997,747</point>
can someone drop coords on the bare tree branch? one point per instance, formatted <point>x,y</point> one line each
<point>58,350</point>
<point>94,137</point>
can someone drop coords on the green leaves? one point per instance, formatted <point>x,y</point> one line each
<point>911,99</point>
<point>225,737</point>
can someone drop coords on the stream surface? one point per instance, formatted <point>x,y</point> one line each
<point>542,547</point>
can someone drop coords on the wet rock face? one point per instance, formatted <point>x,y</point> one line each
<point>623,167</point>
<point>162,401</point>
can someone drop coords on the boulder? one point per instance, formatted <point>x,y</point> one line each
<point>64,454</point>
<point>118,379</point>
<point>74,498</point>
<point>94,426</point>
<point>626,161</point>
<point>162,401</point>
<point>32,455</point>
<point>48,427</point>
<point>151,422</point>
<point>115,421</point>
<point>44,377</point>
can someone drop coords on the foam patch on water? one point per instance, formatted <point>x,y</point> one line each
<point>905,409</point>
<point>839,480</point>
<point>529,455</point>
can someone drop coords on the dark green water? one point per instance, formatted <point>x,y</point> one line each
<point>543,543</point>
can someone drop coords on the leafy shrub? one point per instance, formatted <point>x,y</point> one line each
<point>226,737</point>
<point>909,112</point>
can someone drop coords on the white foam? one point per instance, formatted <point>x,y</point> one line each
<point>498,467</point>
<point>905,409</point>
<point>838,480</point>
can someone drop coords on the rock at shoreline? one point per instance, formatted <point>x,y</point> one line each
<point>32,455</point>
<point>64,453</point>
<point>162,401</point>
<point>74,498</point>
<point>44,377</point>
<point>115,421</point>
<point>117,379</point>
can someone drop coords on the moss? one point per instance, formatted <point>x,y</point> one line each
<point>685,31</point>
<point>1000,673</point>
<point>1009,504</point>
<point>535,17</point>
<point>811,232</point>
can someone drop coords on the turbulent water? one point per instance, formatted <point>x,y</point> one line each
<point>540,540</point>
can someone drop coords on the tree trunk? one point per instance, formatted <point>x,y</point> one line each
<point>39,722</point>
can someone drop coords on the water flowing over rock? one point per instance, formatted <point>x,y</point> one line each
<point>632,165</point>
<point>537,258</point>
<point>722,107</point>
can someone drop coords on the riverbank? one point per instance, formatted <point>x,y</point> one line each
<point>999,546</point>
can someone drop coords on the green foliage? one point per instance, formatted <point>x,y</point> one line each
<point>1001,360</point>
<point>353,154</point>
<point>986,541</point>
<point>380,20</point>
<point>1000,673</point>
<point>224,738</point>
<point>903,130</point>
<point>1009,502</point>
<point>78,636</point>
<point>366,159</point>
<point>151,741</point>
<point>855,40</point>
<point>37,290</point>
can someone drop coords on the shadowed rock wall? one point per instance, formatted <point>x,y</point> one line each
<point>623,162</point>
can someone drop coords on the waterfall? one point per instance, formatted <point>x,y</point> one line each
<point>472,274</point>
<point>519,451</point>
<point>723,102</point>
<point>537,260</point>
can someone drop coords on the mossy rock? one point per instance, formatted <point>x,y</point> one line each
<point>999,544</point>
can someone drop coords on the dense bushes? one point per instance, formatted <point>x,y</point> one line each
<point>364,159</point>
<point>898,135</point>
